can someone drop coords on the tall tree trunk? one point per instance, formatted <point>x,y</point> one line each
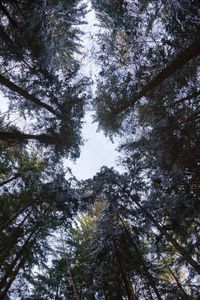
<point>127,283</point>
<point>178,282</point>
<point>181,59</point>
<point>148,289</point>
<point>2,183</point>
<point>10,18</point>
<point>71,277</point>
<point>4,291</point>
<point>188,97</point>
<point>9,244</point>
<point>19,211</point>
<point>194,264</point>
<point>20,137</point>
<point>15,88</point>
<point>8,41</point>
<point>17,175</point>
<point>57,292</point>
<point>11,269</point>
<point>16,264</point>
<point>145,272</point>
<point>14,238</point>
<point>68,268</point>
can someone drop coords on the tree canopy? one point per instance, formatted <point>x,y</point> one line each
<point>123,235</point>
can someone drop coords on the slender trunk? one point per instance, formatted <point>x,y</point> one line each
<point>188,97</point>
<point>15,88</point>
<point>11,20</point>
<point>4,291</point>
<point>57,292</point>
<point>8,40</point>
<point>194,264</point>
<point>128,285</point>
<point>9,244</point>
<point>4,224</point>
<point>20,137</point>
<point>71,277</point>
<point>148,289</point>
<point>2,183</point>
<point>178,283</point>
<point>181,59</point>
<point>146,272</point>
<point>13,239</point>
<point>68,268</point>
<point>9,272</point>
<point>17,175</point>
<point>20,258</point>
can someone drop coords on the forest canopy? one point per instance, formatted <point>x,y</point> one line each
<point>129,235</point>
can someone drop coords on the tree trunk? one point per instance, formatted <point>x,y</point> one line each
<point>148,289</point>
<point>181,59</point>
<point>146,272</point>
<point>68,268</point>
<point>127,283</point>
<point>2,183</point>
<point>9,244</point>
<point>8,41</point>
<point>71,277</point>
<point>20,137</point>
<point>11,20</point>
<point>14,238</point>
<point>178,283</point>
<point>194,264</point>
<point>57,292</point>
<point>188,97</point>
<point>20,258</point>
<point>9,272</point>
<point>4,291</point>
<point>15,88</point>
<point>4,224</point>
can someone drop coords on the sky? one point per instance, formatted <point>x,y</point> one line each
<point>97,150</point>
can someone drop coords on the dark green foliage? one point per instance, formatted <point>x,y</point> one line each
<point>39,72</point>
<point>133,235</point>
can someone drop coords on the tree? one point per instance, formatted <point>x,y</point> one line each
<point>120,190</point>
<point>131,235</point>
<point>33,75</point>
<point>34,215</point>
<point>159,55</point>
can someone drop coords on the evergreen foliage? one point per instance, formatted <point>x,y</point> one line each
<point>132,235</point>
